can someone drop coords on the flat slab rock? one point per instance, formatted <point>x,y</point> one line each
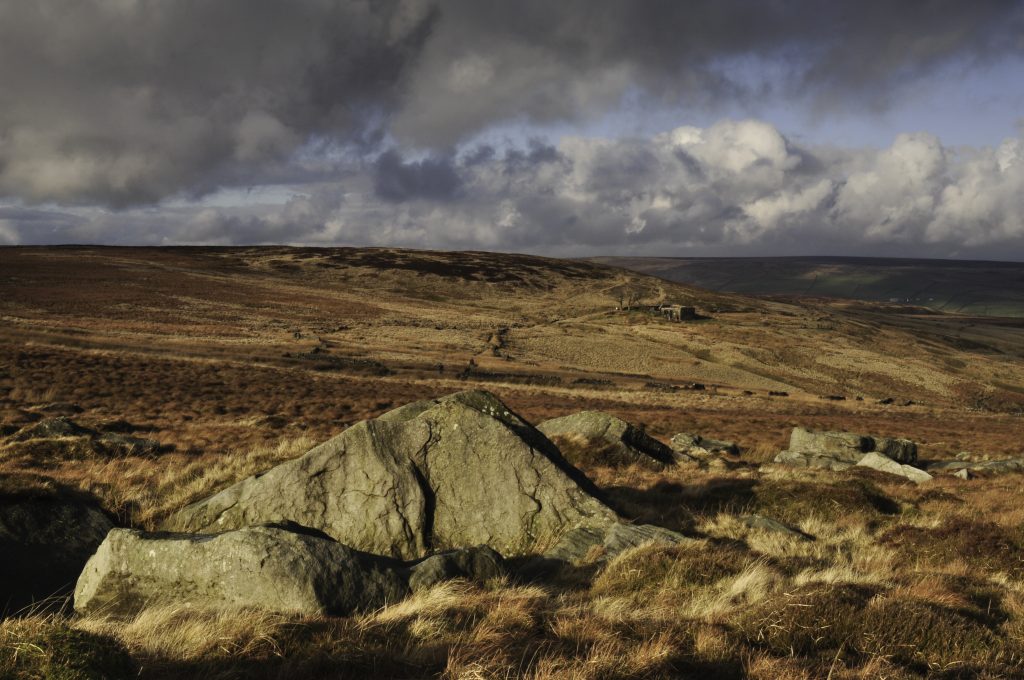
<point>433,475</point>
<point>877,461</point>
<point>618,442</point>
<point>284,568</point>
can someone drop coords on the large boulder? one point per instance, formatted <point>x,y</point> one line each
<point>601,438</point>
<point>434,475</point>
<point>844,446</point>
<point>46,535</point>
<point>282,568</point>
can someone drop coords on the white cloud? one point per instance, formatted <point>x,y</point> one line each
<point>733,187</point>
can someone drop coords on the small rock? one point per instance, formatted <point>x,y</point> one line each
<point>963,474</point>
<point>769,524</point>
<point>478,564</point>
<point>52,428</point>
<point>698,446</point>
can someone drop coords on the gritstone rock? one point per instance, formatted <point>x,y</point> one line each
<point>446,473</point>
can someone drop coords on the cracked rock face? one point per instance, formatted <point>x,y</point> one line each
<point>447,473</point>
<point>611,440</point>
<point>280,568</point>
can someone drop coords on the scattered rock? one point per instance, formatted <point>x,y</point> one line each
<point>963,474</point>
<point>434,475</point>
<point>877,461</point>
<point>777,393</point>
<point>887,401</point>
<point>276,567</point>
<point>987,466</point>
<point>697,446</point>
<point>604,439</point>
<point>46,536</point>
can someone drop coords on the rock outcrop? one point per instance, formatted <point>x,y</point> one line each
<point>445,473</point>
<point>842,450</point>
<point>601,438</point>
<point>46,536</point>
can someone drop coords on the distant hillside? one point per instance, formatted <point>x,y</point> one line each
<point>959,287</point>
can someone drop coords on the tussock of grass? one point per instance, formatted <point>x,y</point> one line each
<point>858,623</point>
<point>49,648</point>
<point>662,570</point>
<point>989,546</point>
<point>794,500</point>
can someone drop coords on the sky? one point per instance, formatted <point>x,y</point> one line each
<point>582,127</point>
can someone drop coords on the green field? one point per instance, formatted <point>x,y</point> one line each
<point>952,286</point>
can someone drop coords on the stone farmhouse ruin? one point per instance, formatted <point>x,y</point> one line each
<point>676,312</point>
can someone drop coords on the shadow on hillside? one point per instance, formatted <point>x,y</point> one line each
<point>672,505</point>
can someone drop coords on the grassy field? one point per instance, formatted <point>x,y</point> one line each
<point>235,359</point>
<point>956,287</point>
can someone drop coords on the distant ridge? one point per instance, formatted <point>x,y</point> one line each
<point>965,287</point>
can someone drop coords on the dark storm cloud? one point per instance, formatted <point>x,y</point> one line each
<point>128,101</point>
<point>396,180</point>
<point>120,102</point>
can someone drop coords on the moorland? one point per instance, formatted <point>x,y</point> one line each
<point>232,360</point>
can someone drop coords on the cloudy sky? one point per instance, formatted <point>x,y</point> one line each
<point>705,127</point>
